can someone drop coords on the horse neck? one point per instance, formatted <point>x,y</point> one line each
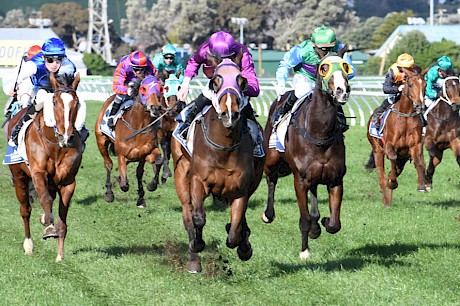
<point>321,116</point>
<point>404,105</point>
<point>218,133</point>
<point>138,115</point>
<point>444,111</point>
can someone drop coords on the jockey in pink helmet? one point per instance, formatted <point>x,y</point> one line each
<point>220,44</point>
<point>130,68</point>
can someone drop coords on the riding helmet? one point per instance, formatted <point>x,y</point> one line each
<point>138,59</point>
<point>323,37</point>
<point>33,50</point>
<point>444,62</point>
<point>169,49</point>
<point>53,47</point>
<point>222,44</point>
<point>405,60</point>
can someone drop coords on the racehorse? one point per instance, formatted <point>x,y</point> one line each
<point>171,107</point>
<point>402,136</point>
<point>54,157</point>
<point>222,164</point>
<point>135,138</point>
<point>314,150</point>
<point>443,126</point>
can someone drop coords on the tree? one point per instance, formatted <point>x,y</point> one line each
<point>70,21</point>
<point>392,21</point>
<point>359,37</point>
<point>13,19</point>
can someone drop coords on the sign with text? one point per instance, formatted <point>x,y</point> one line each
<point>11,51</point>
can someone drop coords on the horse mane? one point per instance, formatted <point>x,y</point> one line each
<point>65,80</point>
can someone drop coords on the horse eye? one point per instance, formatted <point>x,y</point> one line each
<point>166,88</point>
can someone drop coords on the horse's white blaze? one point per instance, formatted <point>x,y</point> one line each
<point>66,99</point>
<point>304,255</point>
<point>228,103</point>
<point>28,246</point>
<point>339,81</point>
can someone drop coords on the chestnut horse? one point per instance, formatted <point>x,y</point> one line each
<point>54,156</point>
<point>222,164</point>
<point>135,138</point>
<point>314,150</point>
<point>171,108</point>
<point>402,136</point>
<point>443,126</point>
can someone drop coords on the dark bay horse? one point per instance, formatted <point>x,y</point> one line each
<point>135,138</point>
<point>314,150</point>
<point>54,156</point>
<point>443,126</point>
<point>171,108</point>
<point>222,164</point>
<point>402,136</point>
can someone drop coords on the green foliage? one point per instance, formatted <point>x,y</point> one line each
<point>372,66</point>
<point>96,65</point>
<point>392,21</point>
<point>359,37</point>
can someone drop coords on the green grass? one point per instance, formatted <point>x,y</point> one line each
<point>117,254</point>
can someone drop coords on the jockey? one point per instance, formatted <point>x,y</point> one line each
<point>52,58</point>
<point>221,44</point>
<point>132,67</point>
<point>434,78</point>
<point>167,60</point>
<point>393,85</point>
<point>304,60</point>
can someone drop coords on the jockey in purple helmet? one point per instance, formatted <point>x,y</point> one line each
<point>223,45</point>
<point>304,61</point>
<point>131,68</point>
<point>33,81</point>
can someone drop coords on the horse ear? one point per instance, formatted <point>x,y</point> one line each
<point>242,82</point>
<point>53,81</point>
<point>178,72</point>
<point>216,83</point>
<point>320,52</point>
<point>239,57</point>
<point>76,81</point>
<point>212,59</point>
<point>343,50</point>
<point>425,70</point>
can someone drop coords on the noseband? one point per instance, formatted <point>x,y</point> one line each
<point>228,84</point>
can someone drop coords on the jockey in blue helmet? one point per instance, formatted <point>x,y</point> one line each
<point>434,78</point>
<point>33,81</point>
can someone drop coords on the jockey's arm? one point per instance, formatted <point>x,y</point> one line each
<point>290,59</point>
<point>249,72</point>
<point>119,79</point>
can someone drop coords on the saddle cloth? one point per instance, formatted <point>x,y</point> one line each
<point>17,154</point>
<point>104,128</point>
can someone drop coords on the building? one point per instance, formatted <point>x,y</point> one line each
<point>15,41</point>
<point>434,33</point>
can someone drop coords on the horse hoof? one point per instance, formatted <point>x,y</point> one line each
<point>152,187</point>
<point>197,247</point>
<point>429,187</point>
<point>194,267</point>
<point>265,219</point>
<point>304,255</point>
<point>42,219</point>
<point>244,255</point>
<point>331,229</point>
<point>109,197</point>
<point>314,234</point>
<point>421,188</point>
<point>28,246</point>
<point>124,188</point>
<point>163,180</point>
<point>50,232</point>
<point>141,203</point>
<point>392,185</point>
<point>59,258</point>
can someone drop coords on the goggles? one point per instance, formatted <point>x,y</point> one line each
<point>138,69</point>
<point>52,59</point>
<point>170,57</point>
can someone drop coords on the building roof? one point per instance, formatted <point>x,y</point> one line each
<point>434,33</point>
<point>14,42</point>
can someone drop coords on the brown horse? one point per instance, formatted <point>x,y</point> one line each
<point>222,164</point>
<point>314,150</point>
<point>443,126</point>
<point>171,107</point>
<point>54,156</point>
<point>135,138</point>
<point>402,136</point>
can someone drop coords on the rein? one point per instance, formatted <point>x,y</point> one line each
<point>405,92</point>
<point>144,129</point>
<point>212,143</point>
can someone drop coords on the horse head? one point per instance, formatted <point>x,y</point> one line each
<point>451,91</point>
<point>65,106</point>
<point>228,86</point>
<point>150,93</point>
<point>333,73</point>
<point>171,86</point>
<point>414,88</point>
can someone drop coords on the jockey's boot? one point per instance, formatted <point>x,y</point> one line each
<point>379,112</point>
<point>113,111</point>
<point>249,113</point>
<point>30,113</point>
<point>83,133</point>
<point>342,120</point>
<point>199,103</point>
<point>183,129</point>
<point>287,106</point>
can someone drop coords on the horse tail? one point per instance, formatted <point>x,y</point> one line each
<point>371,162</point>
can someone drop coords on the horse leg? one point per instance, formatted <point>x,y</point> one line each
<point>380,166</point>
<point>332,223</point>
<point>140,185</point>
<point>65,195</point>
<point>22,194</point>
<point>122,162</point>
<point>153,185</point>
<point>435,159</point>
<point>244,249</point>
<point>419,164</point>
<point>198,196</point>
<point>392,176</point>
<point>103,144</point>
<point>315,229</point>
<point>46,201</point>
<point>269,212</point>
<point>237,229</point>
<point>305,217</point>
<point>166,146</point>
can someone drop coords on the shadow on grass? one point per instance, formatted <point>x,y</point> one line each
<point>383,255</point>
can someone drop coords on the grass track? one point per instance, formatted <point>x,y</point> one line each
<point>117,254</point>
